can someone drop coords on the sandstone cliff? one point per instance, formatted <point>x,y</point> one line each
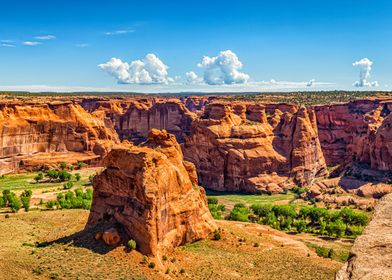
<point>371,255</point>
<point>150,191</point>
<point>33,129</point>
<point>357,131</point>
<point>235,147</point>
<point>134,118</point>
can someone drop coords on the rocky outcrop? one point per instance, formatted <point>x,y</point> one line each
<point>371,255</point>
<point>150,191</point>
<point>239,150</point>
<point>32,129</point>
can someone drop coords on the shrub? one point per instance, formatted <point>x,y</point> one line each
<point>26,202</point>
<point>52,174</point>
<point>91,178</point>
<point>216,210</point>
<point>336,228</point>
<point>324,252</point>
<point>217,235</point>
<point>63,165</point>
<point>151,265</point>
<point>300,226</point>
<point>182,270</point>
<point>285,211</point>
<point>77,177</point>
<point>64,176</point>
<point>68,185</point>
<point>75,200</point>
<point>317,214</point>
<point>2,202</point>
<point>71,167</point>
<point>6,196</point>
<point>212,200</point>
<point>50,204</point>
<point>39,177</point>
<point>164,258</point>
<point>299,190</point>
<point>261,210</point>
<point>131,245</point>
<point>239,213</point>
<point>14,203</point>
<point>27,193</point>
<point>81,164</point>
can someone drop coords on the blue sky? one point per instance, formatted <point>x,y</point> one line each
<point>281,45</point>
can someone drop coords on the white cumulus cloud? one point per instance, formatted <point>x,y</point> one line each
<point>223,69</point>
<point>192,78</point>
<point>365,67</point>
<point>149,70</point>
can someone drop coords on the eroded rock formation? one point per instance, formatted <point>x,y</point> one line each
<point>133,119</point>
<point>235,147</point>
<point>35,129</point>
<point>371,255</point>
<point>151,192</point>
<point>358,131</point>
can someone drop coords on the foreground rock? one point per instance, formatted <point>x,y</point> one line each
<point>151,192</point>
<point>372,251</point>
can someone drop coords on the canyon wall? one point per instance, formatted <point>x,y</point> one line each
<point>133,119</point>
<point>357,131</point>
<point>152,192</point>
<point>237,147</point>
<point>31,129</point>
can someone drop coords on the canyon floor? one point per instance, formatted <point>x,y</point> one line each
<point>52,244</point>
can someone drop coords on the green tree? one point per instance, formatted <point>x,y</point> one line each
<point>63,165</point>
<point>81,164</point>
<point>239,213</point>
<point>261,210</point>
<point>39,177</point>
<point>14,203</point>
<point>77,177</point>
<point>300,226</point>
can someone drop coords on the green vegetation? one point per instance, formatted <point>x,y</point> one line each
<point>49,178</point>
<point>239,213</point>
<point>131,245</point>
<point>151,265</point>
<point>73,200</point>
<point>215,208</point>
<point>346,222</point>
<point>217,235</point>
<point>229,198</point>
<point>11,200</point>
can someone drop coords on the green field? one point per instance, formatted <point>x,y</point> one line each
<point>230,199</point>
<point>22,181</point>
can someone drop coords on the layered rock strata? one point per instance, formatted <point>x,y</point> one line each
<point>237,148</point>
<point>151,191</point>
<point>35,129</point>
